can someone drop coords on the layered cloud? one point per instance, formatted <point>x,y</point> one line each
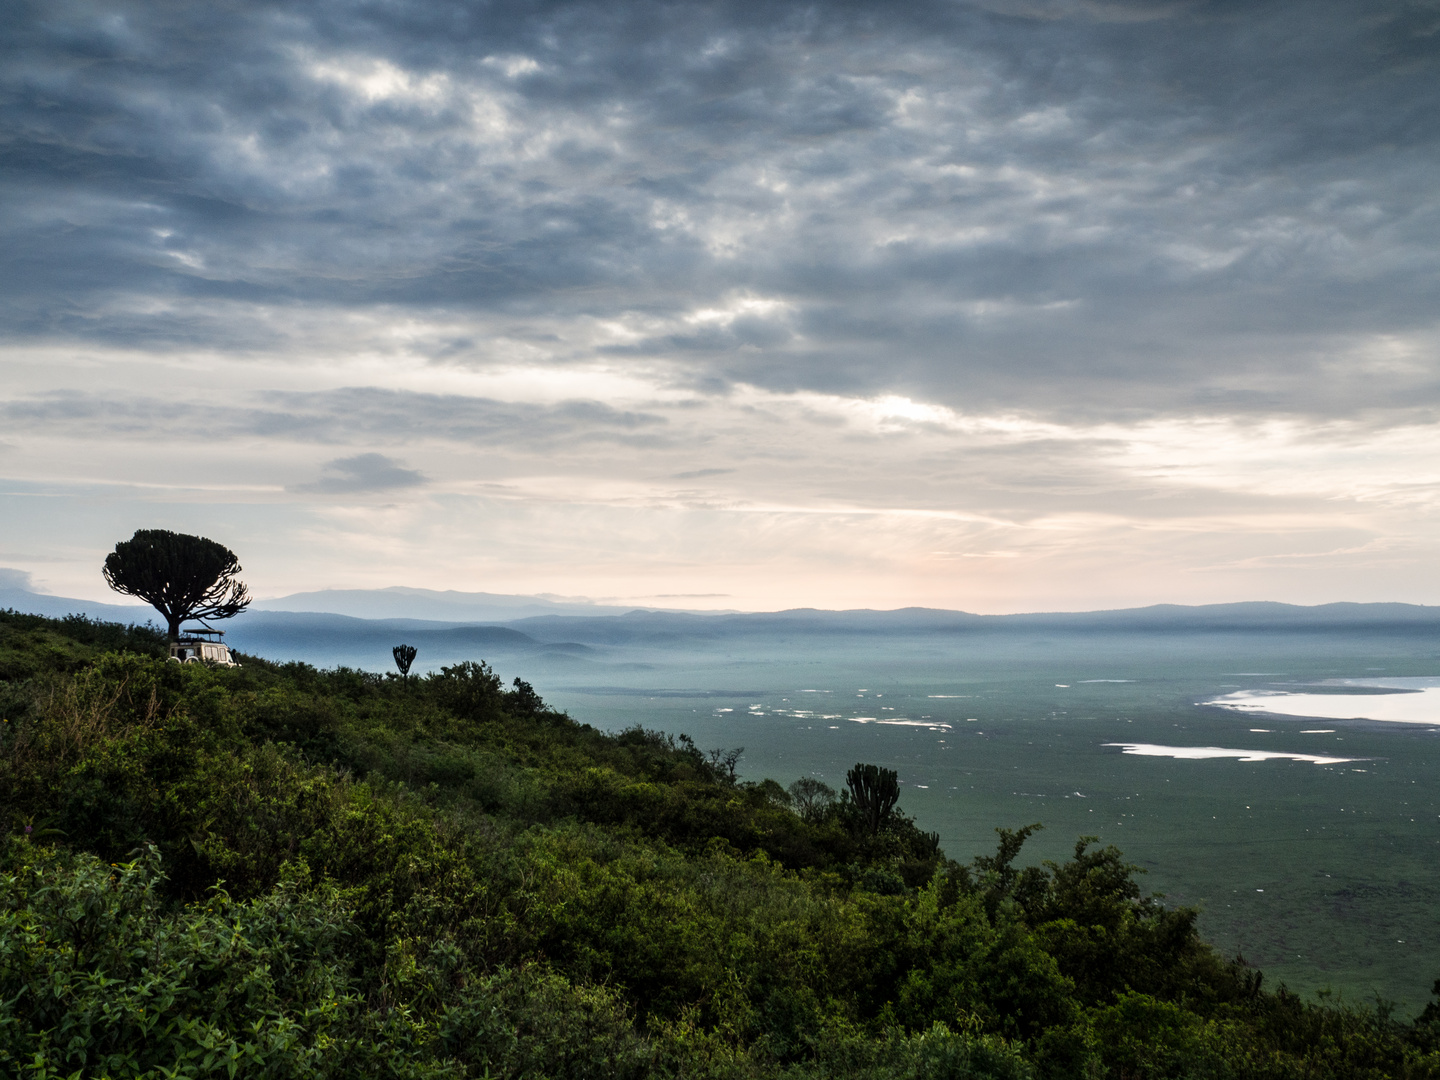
<point>363,474</point>
<point>1020,277</point>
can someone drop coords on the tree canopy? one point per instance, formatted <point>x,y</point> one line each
<point>186,578</point>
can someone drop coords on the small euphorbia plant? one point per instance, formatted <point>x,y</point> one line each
<point>404,657</point>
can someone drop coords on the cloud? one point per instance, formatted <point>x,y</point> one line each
<point>16,579</point>
<point>696,474</point>
<point>341,415</point>
<point>1092,277</point>
<point>363,474</point>
<point>1051,205</point>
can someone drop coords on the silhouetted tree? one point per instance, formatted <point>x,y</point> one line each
<point>723,763</point>
<point>404,657</point>
<point>811,798</point>
<point>186,578</point>
<point>469,689</point>
<point>875,791</point>
<point>523,701</point>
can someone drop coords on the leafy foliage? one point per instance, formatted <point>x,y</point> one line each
<point>183,577</point>
<point>32,645</point>
<point>279,871</point>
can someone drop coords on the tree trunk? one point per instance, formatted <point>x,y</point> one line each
<point>174,628</point>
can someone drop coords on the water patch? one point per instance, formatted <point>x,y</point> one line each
<point>1410,701</point>
<point>1202,753</point>
<point>1105,680</point>
<point>900,721</point>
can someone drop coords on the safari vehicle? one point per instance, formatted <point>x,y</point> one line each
<point>204,646</point>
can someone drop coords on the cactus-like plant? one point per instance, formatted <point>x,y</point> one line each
<point>404,657</point>
<point>875,792</point>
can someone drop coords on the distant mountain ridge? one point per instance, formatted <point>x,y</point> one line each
<point>540,634</point>
<point>366,611</point>
<point>56,607</point>
<point>653,627</point>
<point>298,626</point>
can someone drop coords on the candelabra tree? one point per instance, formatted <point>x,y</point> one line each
<point>875,792</point>
<point>185,578</point>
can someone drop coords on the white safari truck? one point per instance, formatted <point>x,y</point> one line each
<point>202,647</point>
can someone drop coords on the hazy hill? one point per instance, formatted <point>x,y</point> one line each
<point>652,627</point>
<point>359,626</point>
<point>57,606</point>
<point>287,628</point>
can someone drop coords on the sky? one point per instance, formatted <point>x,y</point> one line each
<point>1010,305</point>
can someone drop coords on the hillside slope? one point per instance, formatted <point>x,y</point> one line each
<point>277,871</point>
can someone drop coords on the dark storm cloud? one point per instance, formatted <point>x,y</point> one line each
<point>1127,207</point>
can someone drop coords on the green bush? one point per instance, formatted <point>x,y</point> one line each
<point>99,978</point>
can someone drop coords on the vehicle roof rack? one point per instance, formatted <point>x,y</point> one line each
<point>201,633</point>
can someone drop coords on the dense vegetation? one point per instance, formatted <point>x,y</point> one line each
<point>282,872</point>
